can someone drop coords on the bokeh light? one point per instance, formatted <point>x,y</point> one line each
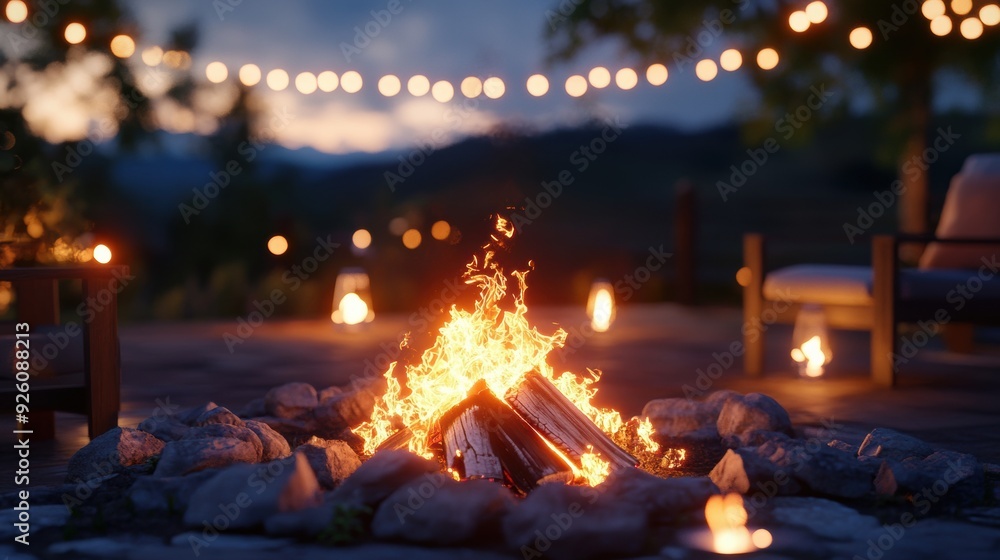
<point>861,38</point>
<point>418,85</point>
<point>599,77</point>
<point>362,239</point>
<point>798,21</point>
<point>731,60</point>
<point>277,79</point>
<point>941,26</point>
<point>250,75</point>
<point>761,538</point>
<point>327,81</point>
<point>440,230</point>
<point>17,11</point>
<point>152,56</point>
<point>305,82</point>
<point>538,85</point>
<point>767,58</point>
<point>443,91</point>
<point>216,72</point>
<point>494,88</point>
<point>990,14</point>
<point>971,28</point>
<point>398,225</point>
<point>122,46</point>
<point>412,239</point>
<point>576,85</point>
<point>932,9</point>
<point>102,254</point>
<point>389,85</point>
<point>277,245</point>
<point>75,33</point>
<point>351,81</point>
<point>656,74</point>
<point>472,87</point>
<point>817,11</point>
<point>626,78</point>
<point>706,70</point>
<point>744,276</point>
<point>961,7</point>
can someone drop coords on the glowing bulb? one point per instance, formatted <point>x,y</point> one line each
<point>102,254</point>
<point>941,26</point>
<point>277,245</point>
<point>744,276</point>
<point>418,85</point>
<point>932,9</point>
<point>389,85</point>
<point>731,60</point>
<point>472,87</point>
<point>706,70</point>
<point>861,38</point>
<point>442,91</point>
<point>277,79</point>
<point>576,85</point>
<point>412,239</point>
<point>327,81</point>
<point>122,46</point>
<point>817,12</point>
<point>362,239</point>
<point>961,7</point>
<point>494,87</point>
<point>17,11</point>
<point>306,83</point>
<point>767,59</point>
<point>75,33</point>
<point>656,74</point>
<point>216,72</point>
<point>761,538</point>
<point>798,21</point>
<point>626,78</point>
<point>152,56</point>
<point>353,309</point>
<point>351,81</point>
<point>440,230</point>
<point>990,14</point>
<point>971,28</point>
<point>250,75</point>
<point>538,85</point>
<point>599,77</point>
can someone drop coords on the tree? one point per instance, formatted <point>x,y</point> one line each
<point>900,70</point>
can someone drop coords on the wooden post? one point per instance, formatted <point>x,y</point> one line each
<point>38,305</point>
<point>883,336</point>
<point>685,240</point>
<point>102,373</point>
<point>753,305</point>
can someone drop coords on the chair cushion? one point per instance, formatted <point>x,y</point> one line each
<point>821,283</point>
<point>970,210</point>
<point>943,286</point>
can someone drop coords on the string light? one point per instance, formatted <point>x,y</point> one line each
<point>941,26</point>
<point>494,87</point>
<point>932,9</point>
<point>75,33</point>
<point>472,87</point>
<point>351,81</point>
<point>122,46</point>
<point>971,28</point>
<point>250,75</point>
<point>656,74</point>
<point>327,81</point>
<point>861,38</point>
<point>277,79</point>
<point>990,14</point>
<point>576,85</point>
<point>706,70</point>
<point>277,245</point>
<point>306,83</point>
<point>731,60</point>
<point>418,86</point>
<point>538,85</point>
<point>442,92</point>
<point>152,56</point>
<point>216,72</point>
<point>767,58</point>
<point>817,12</point>
<point>626,78</point>
<point>599,77</point>
<point>17,11</point>
<point>798,21</point>
<point>389,85</point>
<point>362,239</point>
<point>961,7</point>
<point>412,237</point>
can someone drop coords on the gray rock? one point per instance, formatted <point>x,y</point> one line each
<point>41,517</point>
<point>290,400</point>
<point>662,498</point>
<point>332,460</point>
<point>309,522</point>
<point>574,522</point>
<point>167,494</point>
<point>166,428</point>
<point>820,468</point>
<point>677,418</point>
<point>744,471</point>
<point>435,509</point>
<point>256,407</point>
<point>352,407</point>
<point>111,452</point>
<point>218,415</point>
<point>275,446</point>
<point>890,444</point>
<point>717,400</point>
<point>191,415</point>
<point>330,392</point>
<point>822,518</point>
<point>942,479</point>
<point>380,476</point>
<point>754,411</point>
<point>191,455</point>
<point>212,431</point>
<point>254,493</point>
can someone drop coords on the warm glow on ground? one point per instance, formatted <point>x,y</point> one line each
<point>277,245</point>
<point>494,87</point>
<point>599,77</point>
<point>327,81</point>
<point>767,58</point>
<point>75,33</point>
<point>731,60</point>
<point>418,85</point>
<point>472,87</point>
<point>17,11</point>
<point>389,85</point>
<point>122,46</point>
<point>706,70</point>
<point>440,230</point>
<point>941,26</point>
<point>538,85</point>
<point>412,239</point>
<point>306,83</point>
<point>250,75</point>
<point>576,85</point>
<point>277,79</point>
<point>102,254</point>
<point>216,72</point>
<point>656,74</point>
<point>351,81</point>
<point>626,78</point>
<point>861,38</point>
<point>362,239</point>
<point>443,91</point>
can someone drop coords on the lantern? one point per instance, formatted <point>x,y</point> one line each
<point>811,341</point>
<point>601,305</point>
<point>352,298</point>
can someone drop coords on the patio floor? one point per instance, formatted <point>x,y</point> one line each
<point>652,351</point>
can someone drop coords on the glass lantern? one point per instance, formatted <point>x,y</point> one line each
<point>352,298</point>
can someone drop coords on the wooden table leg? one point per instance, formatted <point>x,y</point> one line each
<point>102,370</point>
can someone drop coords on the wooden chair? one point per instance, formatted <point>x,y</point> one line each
<point>880,297</point>
<point>98,396</point>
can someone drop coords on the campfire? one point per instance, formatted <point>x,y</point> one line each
<point>484,401</point>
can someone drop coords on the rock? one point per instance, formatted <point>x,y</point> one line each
<point>436,509</point>
<point>167,494</point>
<point>574,522</point>
<point>111,452</point>
<point>662,498</point>
<point>380,476</point>
<point>255,492</point>
<point>329,393</point>
<point>218,415</point>
<point>717,400</point>
<point>274,444</point>
<point>40,517</point>
<point>680,418</point>
<point>843,446</point>
<point>942,479</point>
<point>822,518</point>
<point>753,411</point>
<point>256,407</point>
<point>212,431</point>
<point>353,407</point>
<point>309,522</point>
<point>744,471</point>
<point>190,455</point>
<point>190,415</point>
<point>820,468</point>
<point>890,444</point>
<point>166,428</point>
<point>332,460</point>
<point>291,400</point>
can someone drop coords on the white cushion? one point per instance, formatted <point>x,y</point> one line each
<point>970,210</point>
<point>821,283</point>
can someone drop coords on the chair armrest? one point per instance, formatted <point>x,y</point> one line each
<point>915,238</point>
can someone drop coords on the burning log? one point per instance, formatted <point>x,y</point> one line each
<point>398,440</point>
<point>482,428</point>
<point>543,406</point>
